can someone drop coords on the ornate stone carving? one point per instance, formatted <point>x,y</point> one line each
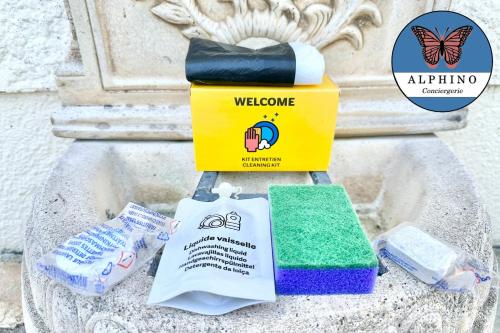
<point>131,57</point>
<point>317,22</point>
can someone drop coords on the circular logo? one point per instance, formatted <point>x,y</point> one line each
<point>442,61</point>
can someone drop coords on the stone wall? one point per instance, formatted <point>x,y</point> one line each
<point>28,152</point>
<point>34,38</point>
<point>477,145</point>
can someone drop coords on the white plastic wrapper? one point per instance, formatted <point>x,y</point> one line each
<point>431,260</point>
<point>220,258</point>
<point>309,64</point>
<point>95,260</point>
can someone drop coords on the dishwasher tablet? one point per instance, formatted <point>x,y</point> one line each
<point>431,260</point>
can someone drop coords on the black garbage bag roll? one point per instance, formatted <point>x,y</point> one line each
<point>286,64</point>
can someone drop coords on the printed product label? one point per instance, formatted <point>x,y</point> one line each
<point>220,259</point>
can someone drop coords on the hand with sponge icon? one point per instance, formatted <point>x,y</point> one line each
<point>261,136</point>
<point>252,139</point>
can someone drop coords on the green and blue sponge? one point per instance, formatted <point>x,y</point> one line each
<point>319,245</point>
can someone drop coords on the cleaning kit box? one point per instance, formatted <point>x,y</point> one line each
<point>264,128</point>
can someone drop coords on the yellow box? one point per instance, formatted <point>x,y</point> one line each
<point>247,128</point>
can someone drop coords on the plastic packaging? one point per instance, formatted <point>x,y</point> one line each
<point>93,261</point>
<point>226,190</point>
<point>286,64</point>
<point>431,260</point>
<point>219,260</point>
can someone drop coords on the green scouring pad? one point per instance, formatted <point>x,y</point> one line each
<point>318,243</point>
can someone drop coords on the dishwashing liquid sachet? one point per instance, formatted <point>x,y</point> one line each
<point>93,261</point>
<point>220,259</point>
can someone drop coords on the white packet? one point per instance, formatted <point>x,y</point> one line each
<point>93,261</point>
<point>430,260</point>
<point>220,259</point>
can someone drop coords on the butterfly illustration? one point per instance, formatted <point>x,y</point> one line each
<point>434,47</point>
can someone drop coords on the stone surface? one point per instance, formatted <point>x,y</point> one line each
<point>358,116</point>
<point>497,317</point>
<point>486,16</point>
<point>11,313</point>
<point>27,152</point>
<point>34,39</point>
<point>17,329</point>
<point>96,178</point>
<point>477,146</point>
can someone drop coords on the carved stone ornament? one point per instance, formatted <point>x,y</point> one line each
<point>317,22</point>
<point>131,57</point>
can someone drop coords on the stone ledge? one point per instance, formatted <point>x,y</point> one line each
<point>11,313</point>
